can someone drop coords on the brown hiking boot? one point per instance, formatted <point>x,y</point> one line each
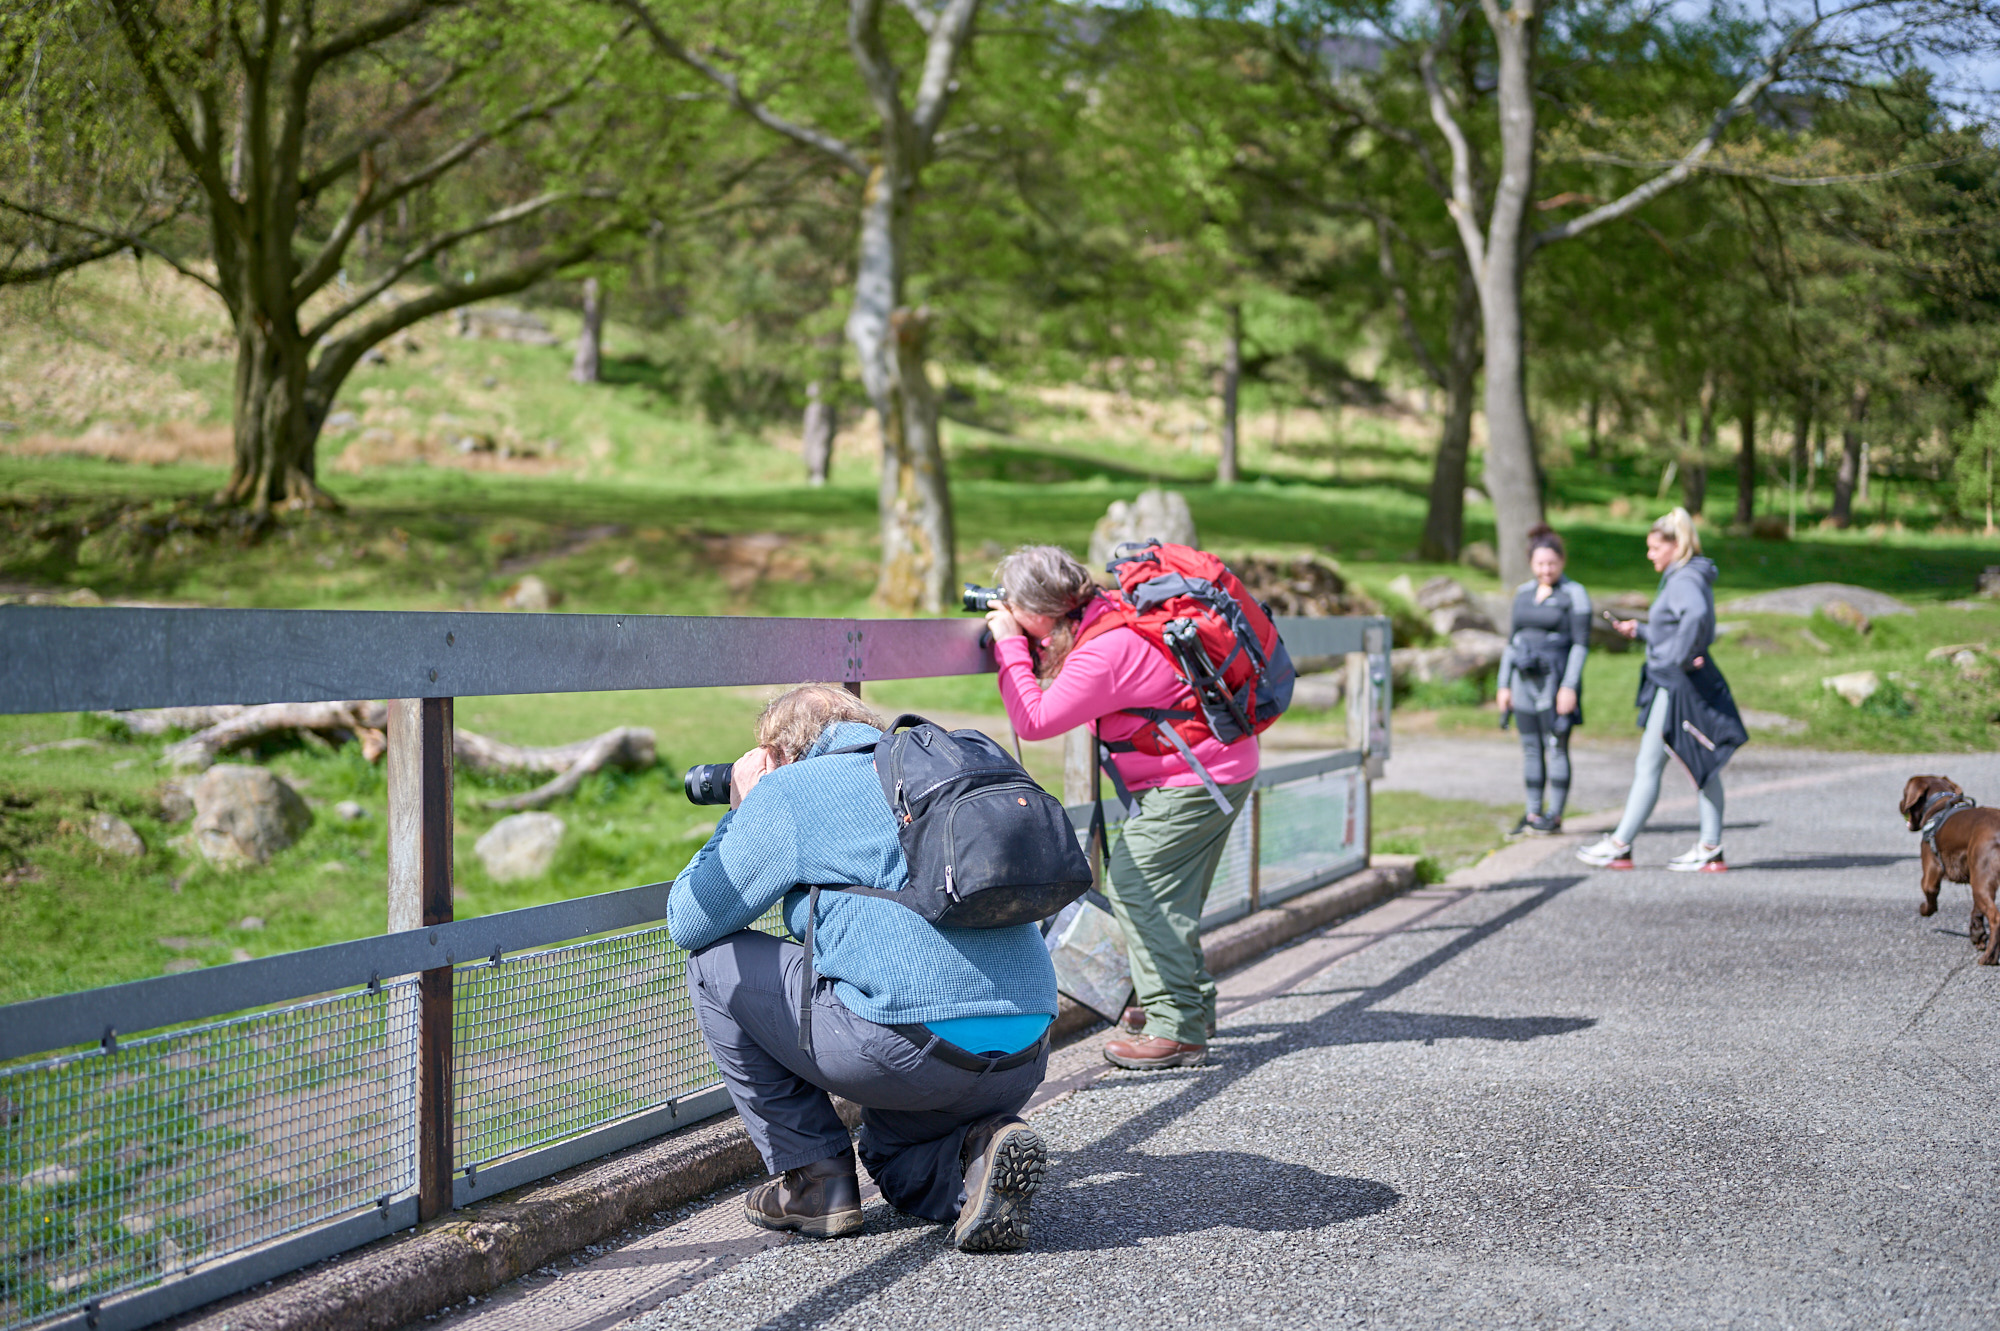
<point>1151,1051</point>
<point>821,1200</point>
<point>1004,1163</point>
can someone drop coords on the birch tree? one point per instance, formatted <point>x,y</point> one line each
<point>909,107</point>
<point>1813,46</point>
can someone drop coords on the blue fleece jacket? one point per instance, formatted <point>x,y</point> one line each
<point>823,820</point>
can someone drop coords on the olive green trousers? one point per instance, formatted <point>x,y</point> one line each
<point>1161,869</point>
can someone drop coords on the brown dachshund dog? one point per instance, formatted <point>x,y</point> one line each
<point>1964,847</point>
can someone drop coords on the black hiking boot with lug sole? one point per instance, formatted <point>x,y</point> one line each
<point>1004,1163</point>
<point>821,1200</point>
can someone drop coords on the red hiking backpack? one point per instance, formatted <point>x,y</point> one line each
<point>1222,642</point>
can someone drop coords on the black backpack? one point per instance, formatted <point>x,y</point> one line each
<point>985,846</point>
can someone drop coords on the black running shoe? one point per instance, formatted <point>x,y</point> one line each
<point>1545,825</point>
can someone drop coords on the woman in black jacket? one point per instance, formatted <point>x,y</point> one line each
<point>1541,677</point>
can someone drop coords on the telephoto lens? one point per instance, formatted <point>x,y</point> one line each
<point>978,600</point>
<point>707,783</point>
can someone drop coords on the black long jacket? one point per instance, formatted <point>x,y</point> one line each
<point>1704,729</point>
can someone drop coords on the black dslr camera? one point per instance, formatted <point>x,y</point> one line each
<point>707,783</point>
<point>978,600</point>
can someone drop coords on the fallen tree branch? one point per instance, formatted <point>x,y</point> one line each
<point>219,729</point>
<point>630,747</point>
<point>364,720</point>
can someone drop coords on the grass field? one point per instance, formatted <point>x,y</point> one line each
<point>624,498</point>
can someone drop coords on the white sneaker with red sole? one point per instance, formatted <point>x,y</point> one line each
<point>1606,853</point>
<point>1701,859</point>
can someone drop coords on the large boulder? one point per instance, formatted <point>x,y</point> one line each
<point>1815,596</point>
<point>1156,515</point>
<point>522,845</point>
<point>1470,652</point>
<point>245,815</point>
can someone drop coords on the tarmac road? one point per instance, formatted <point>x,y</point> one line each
<point>1539,1097</point>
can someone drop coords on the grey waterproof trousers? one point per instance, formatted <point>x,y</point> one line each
<point>916,1108</point>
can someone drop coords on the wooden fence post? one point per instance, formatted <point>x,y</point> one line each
<point>420,874</point>
<point>1080,787</point>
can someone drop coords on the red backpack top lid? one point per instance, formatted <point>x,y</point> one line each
<point>1224,647</point>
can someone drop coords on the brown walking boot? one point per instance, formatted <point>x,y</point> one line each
<point>1004,1163</point>
<point>821,1200</point>
<point>1133,1021</point>
<point>1152,1051</point>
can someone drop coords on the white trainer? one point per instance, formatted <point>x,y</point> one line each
<point>1700,859</point>
<point>1605,850</point>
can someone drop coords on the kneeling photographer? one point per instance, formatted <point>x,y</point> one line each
<point>938,1032</point>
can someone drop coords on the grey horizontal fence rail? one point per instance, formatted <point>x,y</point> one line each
<point>61,659</point>
<point>58,659</point>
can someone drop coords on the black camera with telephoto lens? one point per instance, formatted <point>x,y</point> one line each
<point>707,783</point>
<point>978,600</point>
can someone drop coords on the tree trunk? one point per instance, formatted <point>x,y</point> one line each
<point>1845,479</point>
<point>818,435</point>
<point>923,493</point>
<point>1591,441</point>
<point>1746,462</point>
<point>1801,456</point>
<point>1444,522</point>
<point>1512,476</point>
<point>1232,375</point>
<point>878,294</point>
<point>276,426</point>
<point>1694,469</point>
<point>583,370</point>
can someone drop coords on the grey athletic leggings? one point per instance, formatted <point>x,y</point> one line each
<point>1646,771</point>
<point>1544,761</point>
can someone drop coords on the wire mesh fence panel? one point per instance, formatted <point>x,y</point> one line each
<point>1230,894</point>
<point>551,1044</point>
<point>127,1165</point>
<point>1309,828</point>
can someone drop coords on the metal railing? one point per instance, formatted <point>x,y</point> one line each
<point>174,1140</point>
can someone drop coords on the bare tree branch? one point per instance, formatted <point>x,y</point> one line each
<point>375,138</point>
<point>340,356</point>
<point>1691,160</point>
<point>368,203</point>
<point>378,29</point>
<point>742,101</point>
<point>1462,200</point>
<point>948,37</point>
<point>1766,177</point>
<point>114,239</point>
<point>926,19</point>
<point>416,258</point>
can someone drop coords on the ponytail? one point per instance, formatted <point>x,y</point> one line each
<point>1678,527</point>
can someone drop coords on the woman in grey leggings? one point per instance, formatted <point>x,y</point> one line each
<point>1678,631</point>
<point>1541,676</point>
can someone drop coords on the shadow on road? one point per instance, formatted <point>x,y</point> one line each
<point>1797,862</point>
<point>1113,1193</point>
<point>1120,1207</point>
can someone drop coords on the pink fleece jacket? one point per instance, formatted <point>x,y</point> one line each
<point>1117,670</point>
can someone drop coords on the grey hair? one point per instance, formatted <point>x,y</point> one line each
<point>1047,580</point>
